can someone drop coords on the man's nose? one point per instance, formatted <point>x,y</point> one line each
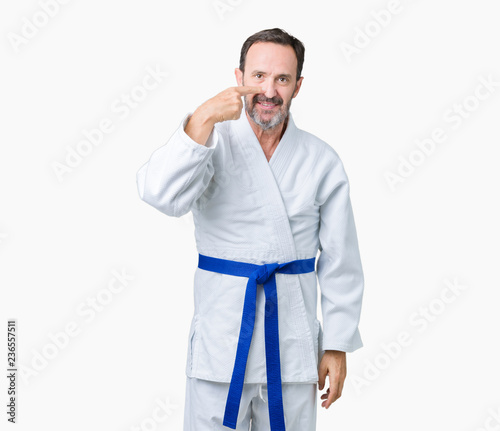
<point>269,89</point>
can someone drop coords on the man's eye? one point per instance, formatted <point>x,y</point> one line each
<point>283,79</point>
<point>258,75</point>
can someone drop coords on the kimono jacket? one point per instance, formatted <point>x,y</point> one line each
<point>250,210</point>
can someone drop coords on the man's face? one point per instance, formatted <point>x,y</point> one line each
<point>274,68</point>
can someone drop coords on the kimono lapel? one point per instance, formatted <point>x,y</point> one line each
<point>268,174</point>
<point>280,159</point>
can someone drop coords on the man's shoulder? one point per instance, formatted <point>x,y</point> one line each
<point>312,142</point>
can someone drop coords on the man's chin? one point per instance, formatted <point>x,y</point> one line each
<point>266,122</point>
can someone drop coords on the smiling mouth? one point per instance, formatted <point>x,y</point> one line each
<point>267,105</point>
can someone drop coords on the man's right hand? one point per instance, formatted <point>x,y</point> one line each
<point>226,105</point>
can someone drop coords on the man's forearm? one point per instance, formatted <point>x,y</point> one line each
<point>199,127</point>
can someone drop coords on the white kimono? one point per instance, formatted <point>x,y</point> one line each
<point>250,210</point>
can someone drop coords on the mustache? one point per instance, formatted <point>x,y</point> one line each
<point>263,99</point>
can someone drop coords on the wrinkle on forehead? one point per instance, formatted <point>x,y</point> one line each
<point>272,59</point>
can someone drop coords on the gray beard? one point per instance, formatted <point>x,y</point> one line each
<point>273,122</point>
<point>276,120</point>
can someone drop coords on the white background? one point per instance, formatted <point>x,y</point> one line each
<point>60,239</point>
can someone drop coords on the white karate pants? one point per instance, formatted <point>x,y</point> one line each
<point>206,402</point>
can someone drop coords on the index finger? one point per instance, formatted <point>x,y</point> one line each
<point>245,89</point>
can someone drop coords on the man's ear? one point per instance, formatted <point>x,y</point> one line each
<point>239,76</point>
<point>298,85</point>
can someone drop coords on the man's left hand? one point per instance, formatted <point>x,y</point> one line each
<point>334,364</point>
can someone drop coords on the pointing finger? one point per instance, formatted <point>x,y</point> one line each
<point>245,89</point>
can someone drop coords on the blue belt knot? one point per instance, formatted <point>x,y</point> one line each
<point>264,274</point>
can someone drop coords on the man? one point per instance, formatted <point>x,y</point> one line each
<point>265,197</point>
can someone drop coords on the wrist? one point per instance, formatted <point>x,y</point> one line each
<point>203,117</point>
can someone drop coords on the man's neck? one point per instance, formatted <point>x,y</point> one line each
<point>268,139</point>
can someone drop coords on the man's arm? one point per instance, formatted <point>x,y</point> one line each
<point>341,281</point>
<point>226,105</point>
<point>179,172</point>
<point>199,127</point>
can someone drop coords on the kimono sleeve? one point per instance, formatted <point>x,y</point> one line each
<point>177,173</point>
<point>339,270</point>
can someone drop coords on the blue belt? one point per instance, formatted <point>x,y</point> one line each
<point>257,274</point>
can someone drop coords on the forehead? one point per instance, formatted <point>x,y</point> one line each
<point>271,58</point>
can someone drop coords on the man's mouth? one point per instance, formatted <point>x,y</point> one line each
<point>266,105</point>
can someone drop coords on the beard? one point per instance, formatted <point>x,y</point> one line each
<point>266,120</point>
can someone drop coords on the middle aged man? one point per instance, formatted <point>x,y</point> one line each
<point>265,197</point>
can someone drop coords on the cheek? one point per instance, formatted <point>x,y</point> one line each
<point>286,95</point>
<point>292,91</point>
<point>249,100</point>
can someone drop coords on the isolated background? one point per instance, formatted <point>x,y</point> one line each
<point>61,240</point>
